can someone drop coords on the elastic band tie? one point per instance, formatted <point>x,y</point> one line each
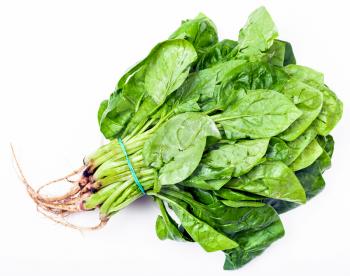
<point>133,173</point>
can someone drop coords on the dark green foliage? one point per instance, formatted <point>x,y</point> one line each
<point>224,135</point>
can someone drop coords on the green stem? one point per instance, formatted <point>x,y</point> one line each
<point>135,130</point>
<point>114,178</point>
<point>183,197</point>
<point>121,206</point>
<point>117,167</point>
<point>147,125</point>
<point>96,199</point>
<point>117,154</point>
<point>129,195</point>
<point>163,210</point>
<point>106,204</point>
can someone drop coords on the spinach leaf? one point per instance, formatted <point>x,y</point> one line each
<point>251,244</point>
<point>201,232</point>
<point>258,35</point>
<point>275,54</point>
<point>200,88</point>
<point>114,114</point>
<point>252,76</point>
<point>332,108</point>
<point>219,165</point>
<point>303,73</point>
<point>220,52</point>
<point>271,179</point>
<point>210,239</point>
<point>280,53</point>
<point>256,227</point>
<point>176,148</point>
<point>236,195</point>
<point>309,100</point>
<point>124,79</point>
<point>289,57</point>
<point>307,157</point>
<point>310,177</point>
<point>238,204</point>
<point>226,219</point>
<point>312,181</point>
<point>167,69</point>
<point>288,152</point>
<point>236,83</point>
<point>260,114</point>
<point>200,32</point>
<point>280,206</point>
<point>203,196</point>
<point>327,143</point>
<point>166,227</point>
<point>332,111</point>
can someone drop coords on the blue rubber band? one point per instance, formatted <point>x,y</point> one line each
<point>133,173</point>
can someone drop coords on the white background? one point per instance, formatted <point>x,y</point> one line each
<point>59,59</point>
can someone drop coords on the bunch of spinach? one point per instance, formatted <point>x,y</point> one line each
<point>223,134</point>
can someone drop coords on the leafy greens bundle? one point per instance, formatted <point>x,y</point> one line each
<point>225,135</point>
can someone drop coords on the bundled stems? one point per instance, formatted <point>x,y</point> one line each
<point>105,180</point>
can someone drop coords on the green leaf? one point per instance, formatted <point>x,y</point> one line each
<point>310,177</point>
<point>235,195</point>
<point>332,108</point>
<point>166,227</point>
<point>252,244</point>
<point>103,106</point>
<point>200,88</point>
<point>275,54</point>
<point>205,235</point>
<point>309,100</point>
<point>200,31</point>
<point>203,196</point>
<point>287,152</point>
<point>226,219</point>
<point>327,143</point>
<point>258,35</point>
<point>331,113</point>
<point>124,79</point>
<point>219,165</point>
<point>146,87</point>
<point>259,224</point>
<point>289,57</point>
<point>307,157</point>
<point>238,204</point>
<point>220,52</point>
<point>271,179</point>
<point>260,114</point>
<point>167,69</point>
<point>303,73</point>
<point>121,106</point>
<point>280,53</point>
<point>252,76</point>
<point>176,148</point>
<point>201,232</point>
